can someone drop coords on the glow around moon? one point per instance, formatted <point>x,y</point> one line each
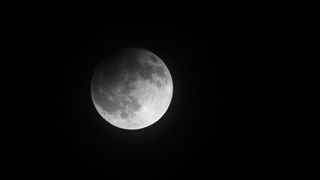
<point>133,89</point>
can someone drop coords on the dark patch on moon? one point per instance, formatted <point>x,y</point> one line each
<point>144,70</point>
<point>152,58</point>
<point>114,96</point>
<point>124,115</point>
<point>118,102</point>
<point>158,83</point>
<point>160,71</point>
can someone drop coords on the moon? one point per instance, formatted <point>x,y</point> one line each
<point>132,89</point>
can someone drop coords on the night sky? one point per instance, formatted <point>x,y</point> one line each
<point>209,129</point>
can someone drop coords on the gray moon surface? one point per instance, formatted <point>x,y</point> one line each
<point>132,89</point>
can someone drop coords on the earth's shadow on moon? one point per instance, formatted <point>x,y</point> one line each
<point>120,84</point>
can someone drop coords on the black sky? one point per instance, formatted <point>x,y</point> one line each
<point>208,130</point>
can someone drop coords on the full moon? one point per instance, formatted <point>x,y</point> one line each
<point>132,89</point>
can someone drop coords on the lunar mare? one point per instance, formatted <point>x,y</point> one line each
<point>132,91</point>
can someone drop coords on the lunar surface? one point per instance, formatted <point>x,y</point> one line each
<point>132,89</point>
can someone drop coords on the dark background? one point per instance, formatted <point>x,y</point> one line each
<point>208,131</point>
